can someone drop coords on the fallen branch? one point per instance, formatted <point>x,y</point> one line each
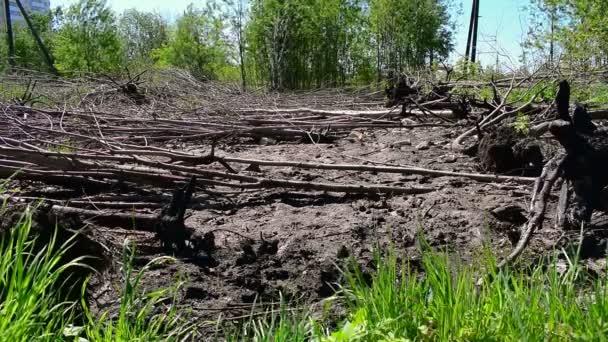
<point>151,176</point>
<point>144,222</point>
<point>385,169</point>
<point>495,117</point>
<point>551,172</point>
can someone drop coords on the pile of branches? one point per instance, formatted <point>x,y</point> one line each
<point>112,161</point>
<point>96,153</point>
<point>580,168</point>
<point>119,167</point>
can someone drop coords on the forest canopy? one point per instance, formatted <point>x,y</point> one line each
<point>274,43</point>
<point>294,44</point>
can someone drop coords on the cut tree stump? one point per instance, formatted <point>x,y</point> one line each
<point>504,151</point>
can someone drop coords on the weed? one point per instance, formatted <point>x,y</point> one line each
<point>30,303</point>
<point>31,307</point>
<point>446,303</point>
<point>66,146</point>
<point>521,124</point>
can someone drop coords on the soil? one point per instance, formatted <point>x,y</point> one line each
<point>506,151</point>
<point>273,243</point>
<point>268,245</point>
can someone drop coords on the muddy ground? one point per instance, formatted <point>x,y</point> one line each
<point>270,244</point>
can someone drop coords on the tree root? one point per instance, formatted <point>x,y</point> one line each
<point>542,189</point>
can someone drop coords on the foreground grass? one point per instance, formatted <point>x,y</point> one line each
<point>448,302</point>
<point>441,301</point>
<point>32,308</point>
<point>30,305</point>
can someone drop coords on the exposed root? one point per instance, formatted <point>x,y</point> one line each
<point>551,172</point>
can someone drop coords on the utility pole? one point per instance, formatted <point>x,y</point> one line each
<point>474,48</point>
<point>552,42</point>
<point>43,49</point>
<point>469,37</point>
<point>9,34</point>
<point>471,52</point>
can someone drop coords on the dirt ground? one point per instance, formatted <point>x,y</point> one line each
<point>273,244</point>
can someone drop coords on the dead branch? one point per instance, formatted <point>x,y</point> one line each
<point>551,172</point>
<point>386,169</point>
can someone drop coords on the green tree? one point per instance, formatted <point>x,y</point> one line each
<point>237,14</point>
<point>87,39</point>
<point>142,33</point>
<point>306,43</point>
<point>574,29</point>
<point>410,33</point>
<point>198,44</point>
<point>27,52</point>
<point>318,43</point>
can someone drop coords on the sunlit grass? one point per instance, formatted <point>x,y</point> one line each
<point>32,306</point>
<point>439,299</point>
<point>447,301</point>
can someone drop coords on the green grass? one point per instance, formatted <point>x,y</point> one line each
<point>32,307</point>
<point>438,300</point>
<point>30,304</point>
<point>143,316</point>
<point>455,302</point>
<point>282,324</point>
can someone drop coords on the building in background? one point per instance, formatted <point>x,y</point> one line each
<point>31,6</point>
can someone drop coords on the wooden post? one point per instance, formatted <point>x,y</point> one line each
<point>9,34</point>
<point>43,49</point>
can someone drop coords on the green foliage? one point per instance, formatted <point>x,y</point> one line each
<point>410,33</point>
<point>3,53</point>
<point>541,91</point>
<point>66,146</point>
<point>486,94</point>
<point>467,69</point>
<point>141,34</point>
<point>197,45</point>
<point>236,14</point>
<point>594,94</point>
<point>142,315</point>
<point>301,43</point>
<point>450,301</point>
<point>87,40</point>
<point>521,124</point>
<point>281,44</point>
<point>572,28</point>
<point>30,305</point>
<point>27,52</point>
<point>274,325</point>
<point>316,43</point>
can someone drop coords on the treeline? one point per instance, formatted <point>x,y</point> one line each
<point>282,44</point>
<point>569,32</point>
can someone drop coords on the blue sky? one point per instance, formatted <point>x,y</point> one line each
<point>501,25</point>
